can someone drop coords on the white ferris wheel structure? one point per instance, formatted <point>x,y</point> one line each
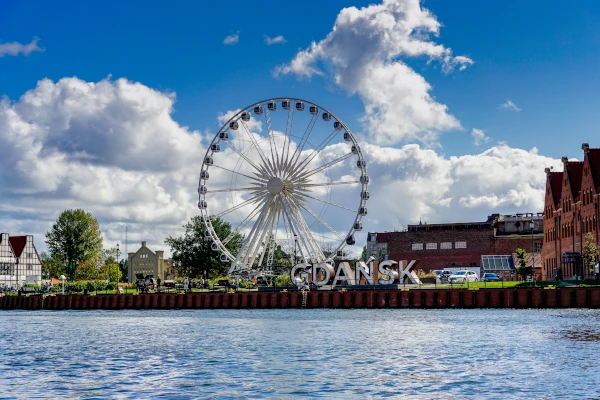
<point>301,184</point>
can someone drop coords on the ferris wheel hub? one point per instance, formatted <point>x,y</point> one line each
<point>275,185</point>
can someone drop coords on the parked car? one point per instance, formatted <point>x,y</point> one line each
<point>490,277</point>
<point>443,275</point>
<point>462,277</point>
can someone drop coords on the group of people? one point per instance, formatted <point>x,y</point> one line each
<point>188,284</point>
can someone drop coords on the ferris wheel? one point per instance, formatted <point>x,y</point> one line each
<point>289,176</point>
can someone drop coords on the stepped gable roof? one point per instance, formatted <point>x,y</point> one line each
<point>575,171</point>
<point>18,244</point>
<point>594,159</point>
<point>556,185</point>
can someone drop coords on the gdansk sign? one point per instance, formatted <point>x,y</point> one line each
<point>325,274</point>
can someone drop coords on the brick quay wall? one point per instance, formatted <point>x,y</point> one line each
<point>584,297</point>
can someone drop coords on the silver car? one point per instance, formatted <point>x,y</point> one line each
<point>463,276</point>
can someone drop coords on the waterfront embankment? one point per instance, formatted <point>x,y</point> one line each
<point>573,297</point>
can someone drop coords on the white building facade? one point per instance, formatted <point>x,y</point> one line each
<point>20,262</point>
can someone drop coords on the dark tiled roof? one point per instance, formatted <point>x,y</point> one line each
<point>18,244</point>
<point>594,159</point>
<point>575,171</point>
<point>556,186</point>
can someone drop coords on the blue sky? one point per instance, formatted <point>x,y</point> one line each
<point>542,56</point>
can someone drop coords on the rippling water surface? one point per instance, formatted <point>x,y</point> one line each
<point>305,353</point>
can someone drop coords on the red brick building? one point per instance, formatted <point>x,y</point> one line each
<point>438,246</point>
<point>570,211</point>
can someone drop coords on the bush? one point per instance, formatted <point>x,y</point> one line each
<point>283,280</point>
<point>244,284</point>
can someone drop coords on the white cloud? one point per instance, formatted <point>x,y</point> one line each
<point>277,39</point>
<point>509,105</point>
<point>412,182</point>
<point>232,39</point>
<point>109,147</point>
<point>16,48</point>
<point>362,53</point>
<point>479,137</point>
<point>112,148</point>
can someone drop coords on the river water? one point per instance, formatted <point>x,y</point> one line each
<point>300,353</point>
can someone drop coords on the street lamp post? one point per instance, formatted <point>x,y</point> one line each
<point>118,269</point>
<point>295,254</point>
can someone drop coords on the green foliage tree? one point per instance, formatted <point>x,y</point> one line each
<point>52,267</point>
<point>590,251</point>
<point>124,267</point>
<point>523,270</point>
<point>194,250</point>
<point>109,268</point>
<point>363,255</point>
<point>283,280</point>
<point>75,238</point>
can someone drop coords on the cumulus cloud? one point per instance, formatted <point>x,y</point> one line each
<point>363,55</point>
<point>16,48</point>
<point>113,148</point>
<point>479,137</point>
<point>110,147</point>
<point>509,105</point>
<point>232,39</point>
<point>412,182</point>
<point>276,40</point>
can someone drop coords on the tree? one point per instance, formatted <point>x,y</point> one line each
<point>194,250</point>
<point>75,238</point>
<point>590,251</point>
<point>363,255</point>
<point>52,267</point>
<point>524,270</point>
<point>109,268</point>
<point>124,267</point>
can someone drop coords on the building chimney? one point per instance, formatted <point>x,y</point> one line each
<point>565,160</point>
<point>585,147</point>
<point>144,243</point>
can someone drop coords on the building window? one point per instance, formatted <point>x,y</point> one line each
<point>373,238</point>
<point>446,246</point>
<point>538,248</point>
<point>417,246</point>
<point>431,246</point>
<point>460,245</point>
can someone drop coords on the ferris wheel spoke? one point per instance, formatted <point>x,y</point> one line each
<point>258,236</point>
<point>261,154</point>
<point>325,224</point>
<point>314,246</point>
<point>242,256</point>
<point>246,220</point>
<point>303,247</point>
<point>272,143</point>
<point>256,189</point>
<point>260,169</point>
<point>245,203</point>
<point>326,202</point>
<point>272,242</point>
<point>267,236</point>
<point>306,185</point>
<point>255,178</point>
<point>303,141</point>
<point>317,150</point>
<point>287,139</point>
<point>325,166</point>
